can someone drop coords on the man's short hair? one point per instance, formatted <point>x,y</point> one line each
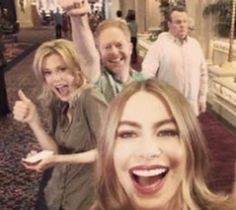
<point>119,13</point>
<point>173,9</point>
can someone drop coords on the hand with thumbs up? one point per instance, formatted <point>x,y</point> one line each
<point>24,110</point>
<point>75,7</point>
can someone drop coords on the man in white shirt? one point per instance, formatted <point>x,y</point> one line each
<point>178,59</point>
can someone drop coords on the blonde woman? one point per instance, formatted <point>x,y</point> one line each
<point>76,109</point>
<point>152,154</point>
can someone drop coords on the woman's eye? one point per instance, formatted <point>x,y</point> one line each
<point>62,69</point>
<point>168,133</point>
<point>126,134</point>
<point>46,73</point>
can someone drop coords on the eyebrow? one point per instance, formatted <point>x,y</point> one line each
<point>156,125</point>
<point>164,122</point>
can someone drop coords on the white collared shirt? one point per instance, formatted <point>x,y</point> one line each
<point>181,64</point>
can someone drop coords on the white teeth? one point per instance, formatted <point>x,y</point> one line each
<point>147,173</point>
<point>115,60</point>
<point>59,86</point>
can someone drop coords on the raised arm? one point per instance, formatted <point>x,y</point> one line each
<point>83,38</point>
<point>25,111</point>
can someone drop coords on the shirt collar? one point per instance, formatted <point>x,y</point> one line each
<point>116,78</point>
<point>177,40</point>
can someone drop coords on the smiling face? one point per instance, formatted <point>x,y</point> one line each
<point>115,50</point>
<point>149,157</point>
<point>58,77</point>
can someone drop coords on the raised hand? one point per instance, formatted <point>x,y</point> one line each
<point>24,110</point>
<point>75,7</point>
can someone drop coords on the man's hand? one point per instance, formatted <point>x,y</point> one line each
<point>75,7</point>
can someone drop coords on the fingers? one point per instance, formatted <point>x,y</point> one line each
<point>20,110</point>
<point>76,7</point>
<point>23,97</point>
<point>23,108</point>
<point>32,167</point>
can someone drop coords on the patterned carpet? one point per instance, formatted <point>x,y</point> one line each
<point>19,187</point>
<point>15,51</point>
<point>221,143</point>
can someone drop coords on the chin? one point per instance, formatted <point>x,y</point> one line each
<point>148,205</point>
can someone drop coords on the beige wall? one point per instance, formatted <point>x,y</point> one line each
<point>153,14</point>
<point>24,18</point>
<point>203,26</point>
<point>148,16</point>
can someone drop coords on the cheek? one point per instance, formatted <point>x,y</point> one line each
<point>70,78</point>
<point>121,156</point>
<point>177,156</point>
<point>103,54</point>
<point>47,80</point>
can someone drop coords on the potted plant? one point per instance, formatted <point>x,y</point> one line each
<point>222,9</point>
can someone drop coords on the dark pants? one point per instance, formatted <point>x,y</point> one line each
<point>134,55</point>
<point>4,108</point>
<point>58,31</point>
<point>41,202</point>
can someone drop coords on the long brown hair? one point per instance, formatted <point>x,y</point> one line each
<point>193,193</point>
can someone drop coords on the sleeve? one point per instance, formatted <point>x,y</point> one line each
<point>95,106</point>
<point>150,63</point>
<point>202,96</point>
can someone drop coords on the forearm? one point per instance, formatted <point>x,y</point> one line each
<point>45,140</point>
<point>87,52</point>
<point>83,157</point>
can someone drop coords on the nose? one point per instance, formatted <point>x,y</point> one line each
<point>114,50</point>
<point>56,76</point>
<point>149,149</point>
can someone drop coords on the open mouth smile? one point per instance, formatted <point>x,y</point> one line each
<point>148,179</point>
<point>62,90</point>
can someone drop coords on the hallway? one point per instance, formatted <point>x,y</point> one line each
<point>18,188</point>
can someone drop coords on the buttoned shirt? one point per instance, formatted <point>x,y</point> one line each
<point>179,63</point>
<point>71,186</point>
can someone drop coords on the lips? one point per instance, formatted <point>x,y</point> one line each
<point>115,60</point>
<point>63,90</point>
<point>148,179</point>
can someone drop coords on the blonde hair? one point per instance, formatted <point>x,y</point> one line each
<point>193,193</point>
<point>112,23</point>
<point>68,53</point>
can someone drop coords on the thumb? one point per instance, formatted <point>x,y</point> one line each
<point>22,96</point>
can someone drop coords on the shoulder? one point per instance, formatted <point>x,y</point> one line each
<point>92,93</point>
<point>193,41</point>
